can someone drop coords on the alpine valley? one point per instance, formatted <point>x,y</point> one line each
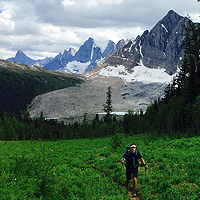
<point>137,70</point>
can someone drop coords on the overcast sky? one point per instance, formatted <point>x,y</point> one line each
<point>43,28</point>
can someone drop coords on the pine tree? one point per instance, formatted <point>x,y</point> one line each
<point>191,61</point>
<point>108,105</point>
<point>195,110</point>
<point>2,132</point>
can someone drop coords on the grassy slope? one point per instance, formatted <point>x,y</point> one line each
<point>172,174</point>
<point>20,83</point>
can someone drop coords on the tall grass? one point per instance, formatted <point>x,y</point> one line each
<point>91,169</point>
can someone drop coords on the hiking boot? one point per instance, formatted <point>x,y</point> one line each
<point>134,193</point>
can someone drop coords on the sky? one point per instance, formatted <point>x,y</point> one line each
<point>44,28</point>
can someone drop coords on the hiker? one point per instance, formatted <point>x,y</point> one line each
<point>131,156</point>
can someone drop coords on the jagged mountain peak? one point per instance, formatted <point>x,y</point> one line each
<point>172,15</point>
<point>157,48</point>
<point>70,50</point>
<point>169,21</point>
<point>21,57</point>
<point>20,52</point>
<point>69,53</point>
<point>84,59</point>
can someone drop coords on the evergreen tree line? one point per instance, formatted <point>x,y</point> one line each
<point>22,127</point>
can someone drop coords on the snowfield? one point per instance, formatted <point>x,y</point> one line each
<point>140,73</point>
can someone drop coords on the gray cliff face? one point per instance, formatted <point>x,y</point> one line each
<point>159,47</point>
<point>98,54</point>
<point>84,52</point>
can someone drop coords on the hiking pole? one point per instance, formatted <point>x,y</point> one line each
<point>120,172</point>
<point>145,175</point>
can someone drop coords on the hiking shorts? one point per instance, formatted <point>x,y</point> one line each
<point>130,171</point>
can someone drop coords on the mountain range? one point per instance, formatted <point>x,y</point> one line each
<point>158,48</point>
<point>74,61</point>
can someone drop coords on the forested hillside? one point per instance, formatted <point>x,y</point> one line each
<point>20,83</point>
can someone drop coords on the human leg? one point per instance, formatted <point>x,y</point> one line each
<point>128,177</point>
<point>134,183</point>
<point>134,186</point>
<point>127,182</point>
<point>135,174</point>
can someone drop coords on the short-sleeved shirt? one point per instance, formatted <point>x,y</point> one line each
<point>132,159</point>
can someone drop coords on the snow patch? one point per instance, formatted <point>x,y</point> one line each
<point>75,67</point>
<point>114,113</point>
<point>101,44</point>
<point>164,28</point>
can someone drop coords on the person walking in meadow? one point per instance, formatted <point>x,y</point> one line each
<point>131,156</point>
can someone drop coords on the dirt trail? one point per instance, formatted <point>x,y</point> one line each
<point>134,198</point>
<point>138,197</point>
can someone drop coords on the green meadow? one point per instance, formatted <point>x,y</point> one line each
<point>91,169</point>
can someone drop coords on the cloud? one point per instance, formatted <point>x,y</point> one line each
<point>46,27</point>
<point>67,3</point>
<point>97,3</point>
<point>195,17</point>
<point>90,4</point>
